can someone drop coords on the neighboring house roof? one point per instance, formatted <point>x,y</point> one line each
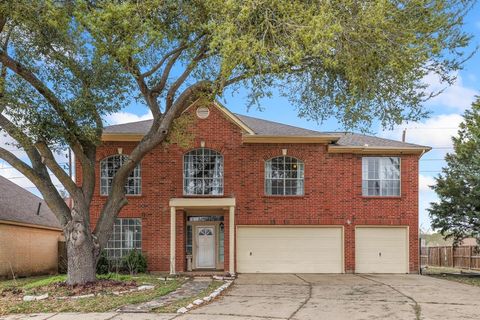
<point>338,141</point>
<point>17,205</point>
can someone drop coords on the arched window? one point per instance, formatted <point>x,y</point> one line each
<point>203,172</point>
<point>109,167</point>
<point>284,176</point>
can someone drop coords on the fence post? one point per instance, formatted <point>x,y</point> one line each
<point>470,257</point>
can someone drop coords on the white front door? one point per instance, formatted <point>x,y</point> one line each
<point>205,247</point>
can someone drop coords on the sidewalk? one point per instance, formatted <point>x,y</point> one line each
<point>91,316</point>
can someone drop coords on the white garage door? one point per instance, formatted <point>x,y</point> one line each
<point>289,250</point>
<point>381,250</point>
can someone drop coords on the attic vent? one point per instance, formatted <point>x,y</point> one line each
<point>203,112</point>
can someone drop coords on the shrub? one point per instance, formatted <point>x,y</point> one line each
<point>103,265</point>
<point>135,262</point>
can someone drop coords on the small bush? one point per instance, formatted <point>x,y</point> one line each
<point>103,265</point>
<point>135,262</point>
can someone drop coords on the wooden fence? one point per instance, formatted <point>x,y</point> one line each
<point>462,257</point>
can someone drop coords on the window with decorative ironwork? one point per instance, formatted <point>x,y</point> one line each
<point>203,172</point>
<point>284,176</point>
<point>125,237</point>
<point>381,176</point>
<point>108,169</point>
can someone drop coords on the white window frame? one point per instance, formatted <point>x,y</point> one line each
<point>219,180</point>
<point>106,181</point>
<point>300,178</point>
<point>115,238</point>
<point>380,179</point>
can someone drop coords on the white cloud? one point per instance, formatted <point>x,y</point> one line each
<point>125,117</point>
<point>425,182</point>
<point>455,97</point>
<point>435,132</point>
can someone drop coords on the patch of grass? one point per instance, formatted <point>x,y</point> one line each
<point>446,273</point>
<point>172,308</point>
<point>44,282</point>
<point>13,303</point>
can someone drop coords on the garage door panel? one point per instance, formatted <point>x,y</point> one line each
<point>292,249</point>
<point>381,250</point>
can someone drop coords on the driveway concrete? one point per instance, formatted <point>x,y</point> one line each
<point>349,297</point>
<point>318,297</point>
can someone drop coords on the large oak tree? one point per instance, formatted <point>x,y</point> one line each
<point>67,64</point>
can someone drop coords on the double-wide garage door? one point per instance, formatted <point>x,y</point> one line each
<point>320,249</point>
<point>290,249</point>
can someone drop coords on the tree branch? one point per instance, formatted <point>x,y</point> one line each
<point>52,164</point>
<point>43,183</point>
<point>41,88</point>
<point>163,80</point>
<point>181,79</point>
<point>162,61</point>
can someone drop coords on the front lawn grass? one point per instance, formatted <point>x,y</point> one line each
<point>453,275</point>
<point>12,292</point>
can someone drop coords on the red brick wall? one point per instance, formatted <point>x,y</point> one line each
<point>333,194</point>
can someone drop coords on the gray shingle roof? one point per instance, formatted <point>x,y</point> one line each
<point>271,128</point>
<point>19,205</point>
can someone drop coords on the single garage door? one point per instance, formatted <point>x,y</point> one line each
<point>381,250</point>
<point>289,249</point>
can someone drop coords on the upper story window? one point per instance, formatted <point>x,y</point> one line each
<point>284,176</point>
<point>203,172</point>
<point>381,176</point>
<point>109,167</point>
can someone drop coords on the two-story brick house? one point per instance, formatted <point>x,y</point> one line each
<point>252,195</point>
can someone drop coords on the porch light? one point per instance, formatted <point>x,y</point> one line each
<point>222,226</point>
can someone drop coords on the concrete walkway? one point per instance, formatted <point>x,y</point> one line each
<point>313,297</point>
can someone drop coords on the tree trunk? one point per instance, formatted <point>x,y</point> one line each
<point>82,250</point>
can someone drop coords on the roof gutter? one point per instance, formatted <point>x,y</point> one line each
<point>124,137</point>
<point>378,150</point>
<point>29,225</point>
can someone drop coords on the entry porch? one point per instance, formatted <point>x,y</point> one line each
<point>202,235</point>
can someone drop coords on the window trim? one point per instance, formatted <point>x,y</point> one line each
<point>203,194</point>
<point>399,179</point>
<point>284,179</point>
<point>139,178</point>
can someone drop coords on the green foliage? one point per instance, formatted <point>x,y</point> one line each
<point>103,265</point>
<point>135,262</point>
<point>45,282</point>
<point>457,214</point>
<point>46,39</point>
<point>353,60</point>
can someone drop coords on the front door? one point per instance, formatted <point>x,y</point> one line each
<point>205,247</point>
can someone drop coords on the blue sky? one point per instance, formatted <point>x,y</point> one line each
<point>436,131</point>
